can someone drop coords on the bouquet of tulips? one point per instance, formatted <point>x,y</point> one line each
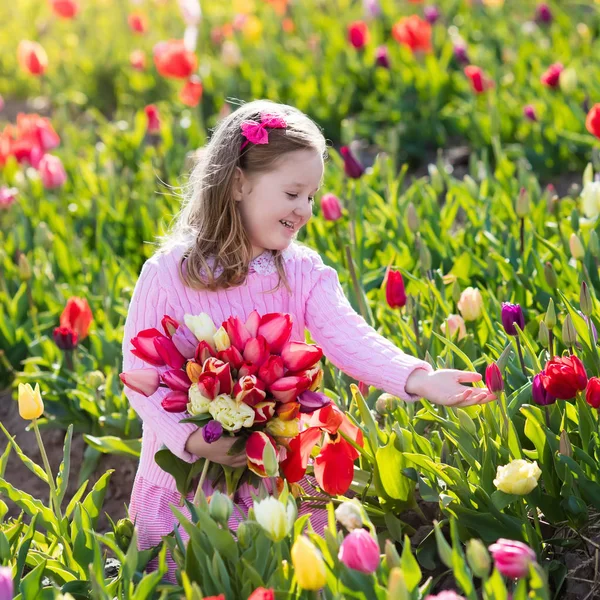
<point>244,379</point>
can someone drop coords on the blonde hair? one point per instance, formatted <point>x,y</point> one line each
<point>209,223</point>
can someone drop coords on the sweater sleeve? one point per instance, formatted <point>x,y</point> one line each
<point>148,306</point>
<point>350,343</point>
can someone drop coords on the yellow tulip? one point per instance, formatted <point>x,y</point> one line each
<point>517,477</point>
<point>308,564</point>
<point>252,28</point>
<point>30,401</point>
<point>221,339</point>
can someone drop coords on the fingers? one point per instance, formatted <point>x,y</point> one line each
<point>468,376</point>
<point>476,398</point>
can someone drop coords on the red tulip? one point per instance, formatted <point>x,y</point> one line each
<point>298,356</point>
<point>223,372</point>
<point>262,454</point>
<point>26,149</point>
<point>592,122</point>
<point>38,130</point>
<point>262,593</point>
<point>209,385</point>
<point>288,389</point>
<point>564,377</point>
<point>394,288</point>
<point>143,347</point>
<point>249,390</point>
<point>257,351</point>
<point>264,411</point>
<point>66,9</point>
<point>331,207</point>
<point>413,32</point>
<point>276,328</point>
<point>551,76</point>
<point>51,170</point>
<point>32,57</point>
<point>153,119</point>
<point>7,197</point>
<point>237,332</point>
<point>175,402</point>
<point>493,378</point>
<point>65,338</point>
<point>177,380</point>
<point>173,59</point>
<point>358,34</point>
<point>252,323</point>
<point>479,81</point>
<point>169,325</point>
<point>203,351</point>
<point>168,352</point>
<point>272,370</point>
<point>247,368</point>
<point>138,23</point>
<point>77,315</point>
<point>592,394</point>
<point>191,92</point>
<point>143,381</point>
<point>137,60</point>
<point>352,166</point>
<point>231,355</point>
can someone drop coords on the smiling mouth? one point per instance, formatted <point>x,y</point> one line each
<point>288,225</point>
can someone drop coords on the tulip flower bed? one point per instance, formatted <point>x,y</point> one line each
<point>493,272</point>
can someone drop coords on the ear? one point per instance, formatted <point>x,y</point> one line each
<point>238,184</point>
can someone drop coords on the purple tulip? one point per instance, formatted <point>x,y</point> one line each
<point>352,167</point>
<point>511,314</point>
<point>431,14</point>
<point>185,341</point>
<point>529,112</point>
<point>543,14</point>
<point>382,57</point>
<point>539,394</point>
<point>177,380</point>
<point>212,431</point>
<point>311,401</point>
<point>587,320</point>
<point>460,53</point>
<point>6,583</point>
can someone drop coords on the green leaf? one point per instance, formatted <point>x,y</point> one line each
<point>32,506</point>
<point>182,471</point>
<point>62,479</point>
<point>391,463</point>
<point>95,499</point>
<point>33,467</point>
<point>410,566</point>
<point>110,444</point>
<point>32,582</point>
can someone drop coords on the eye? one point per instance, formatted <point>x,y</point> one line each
<point>311,199</point>
<point>292,195</point>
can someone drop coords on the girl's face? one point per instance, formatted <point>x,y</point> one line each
<point>285,193</point>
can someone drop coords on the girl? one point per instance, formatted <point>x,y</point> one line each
<point>233,250</point>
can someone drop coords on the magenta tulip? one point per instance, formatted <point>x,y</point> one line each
<point>359,551</point>
<point>168,352</point>
<point>237,332</point>
<point>177,380</point>
<point>512,558</point>
<point>175,402</point>
<point>352,166</point>
<point>331,207</point>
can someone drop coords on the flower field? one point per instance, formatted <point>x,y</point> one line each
<point>460,210</point>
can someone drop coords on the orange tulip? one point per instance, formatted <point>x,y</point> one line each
<point>77,315</point>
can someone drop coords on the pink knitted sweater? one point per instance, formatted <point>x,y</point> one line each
<point>317,303</point>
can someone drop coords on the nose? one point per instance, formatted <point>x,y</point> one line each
<point>304,213</point>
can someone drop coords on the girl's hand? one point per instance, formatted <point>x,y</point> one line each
<point>443,386</point>
<point>216,452</point>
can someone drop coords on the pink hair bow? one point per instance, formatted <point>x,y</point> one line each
<point>257,132</point>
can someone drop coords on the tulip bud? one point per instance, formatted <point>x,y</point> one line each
<point>576,247</point>
<point>544,335</point>
<point>550,318</point>
<point>493,378</point>
<point>588,174</point>
<point>522,203</point>
<point>444,549</point>
<point>309,566</point>
<point>6,582</point>
<point>568,80</point>
<point>550,275</point>
<point>552,201</point>
<point>397,589</point>
<point>221,339</point>
<point>24,268</point>
<point>124,533</point>
<point>349,515</point>
<point>95,379</point>
<point>564,445</point>
<point>569,335</point>
<point>412,218</point>
<point>472,186</point>
<point>478,558</point>
<point>331,207</point>
<point>594,244</point>
<point>437,181</point>
<point>220,508</point>
<point>585,300</point>
<point>386,403</point>
<point>424,256</point>
<point>456,291</point>
<point>392,557</point>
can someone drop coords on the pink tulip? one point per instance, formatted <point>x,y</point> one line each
<point>493,378</point>
<point>272,370</point>
<point>177,380</point>
<point>287,389</point>
<point>247,368</point>
<point>38,130</point>
<point>512,558</point>
<point>331,207</point>
<point>7,197</point>
<point>445,595</point>
<point>143,347</point>
<point>209,385</point>
<point>249,390</point>
<point>52,172</point>
<point>359,551</point>
<point>276,329</point>
<point>168,352</point>
<point>153,119</point>
<point>137,60</point>
<point>32,57</point>
<point>185,341</point>
<point>298,356</point>
<point>231,355</point>
<point>143,381</point>
<point>237,332</point>
<point>203,351</point>
<point>257,351</point>
<point>175,402</point>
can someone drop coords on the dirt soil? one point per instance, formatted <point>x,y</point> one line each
<point>120,484</point>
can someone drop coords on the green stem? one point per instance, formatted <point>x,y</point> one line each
<point>201,482</point>
<point>356,285</point>
<point>536,521</point>
<point>504,411</point>
<point>521,359</point>
<point>53,497</point>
